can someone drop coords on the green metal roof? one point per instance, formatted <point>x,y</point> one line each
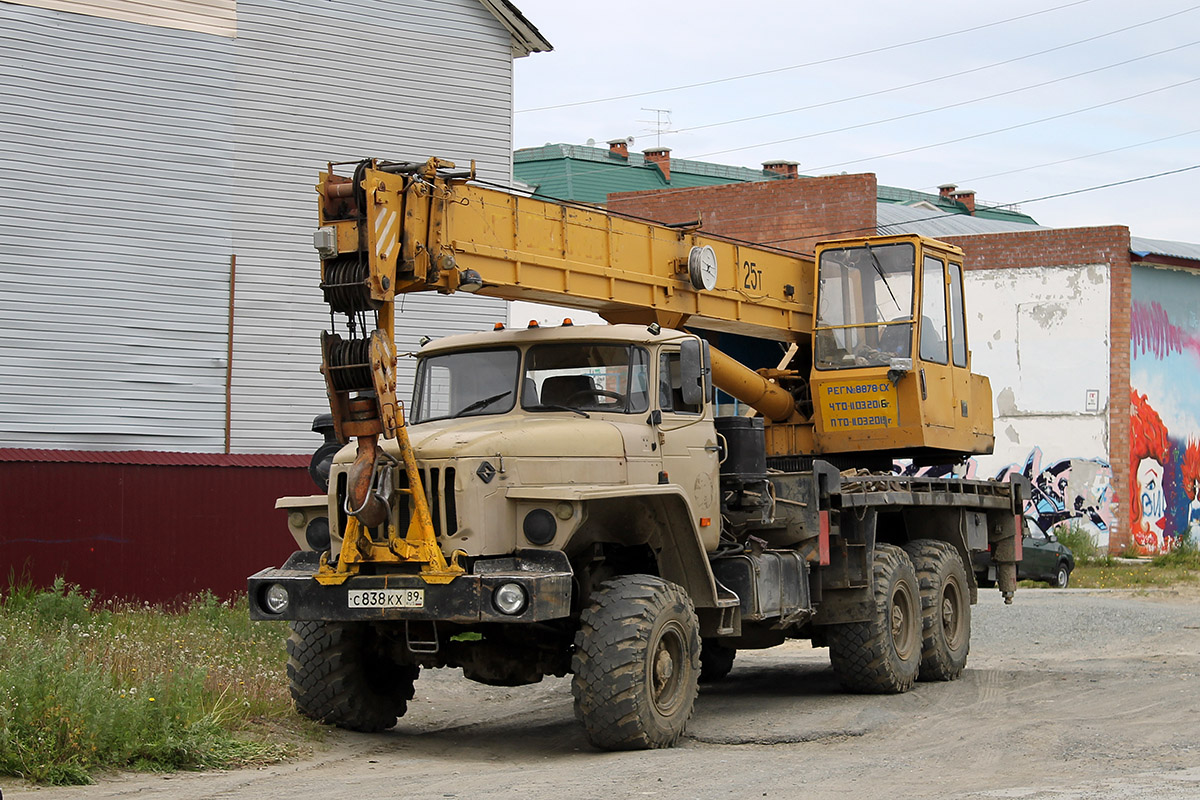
<point>909,197</point>
<point>589,174</point>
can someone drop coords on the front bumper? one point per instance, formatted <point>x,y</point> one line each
<point>544,574</point>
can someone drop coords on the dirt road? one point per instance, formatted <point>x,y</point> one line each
<point>1070,695</point>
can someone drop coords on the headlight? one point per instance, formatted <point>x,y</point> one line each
<point>317,533</point>
<point>510,598</point>
<point>275,598</point>
<point>540,526</point>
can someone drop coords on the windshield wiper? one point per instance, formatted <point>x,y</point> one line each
<point>542,406</point>
<point>478,404</point>
<point>879,269</point>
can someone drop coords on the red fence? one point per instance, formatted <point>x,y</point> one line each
<point>144,525</point>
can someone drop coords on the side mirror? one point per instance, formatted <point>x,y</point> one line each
<point>691,369</point>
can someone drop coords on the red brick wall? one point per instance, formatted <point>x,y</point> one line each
<point>1070,247</point>
<point>799,211</point>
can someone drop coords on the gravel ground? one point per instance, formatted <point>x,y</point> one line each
<point>1068,695</point>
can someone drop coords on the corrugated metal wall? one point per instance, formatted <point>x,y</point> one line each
<point>138,159</point>
<point>153,533</point>
<point>340,81</point>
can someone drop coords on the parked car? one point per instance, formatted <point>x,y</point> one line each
<point>1043,558</point>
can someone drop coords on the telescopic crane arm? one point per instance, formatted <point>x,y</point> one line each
<point>398,228</point>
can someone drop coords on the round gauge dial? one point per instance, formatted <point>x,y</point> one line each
<point>702,268</point>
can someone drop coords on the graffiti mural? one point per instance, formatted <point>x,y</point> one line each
<point>1164,444</point>
<point>1070,491</point>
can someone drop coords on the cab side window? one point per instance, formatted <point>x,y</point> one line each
<point>958,319</point>
<point>933,312</point>
<point>670,385</point>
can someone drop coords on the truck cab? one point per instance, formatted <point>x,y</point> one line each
<point>536,437</point>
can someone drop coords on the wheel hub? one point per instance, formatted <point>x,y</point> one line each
<point>666,688</point>
<point>950,615</point>
<point>904,635</point>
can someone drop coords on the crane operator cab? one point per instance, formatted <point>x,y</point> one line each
<point>891,367</point>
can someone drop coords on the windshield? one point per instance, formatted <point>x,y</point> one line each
<point>582,376</point>
<point>865,305</point>
<point>465,384</point>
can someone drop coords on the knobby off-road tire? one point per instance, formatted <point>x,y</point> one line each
<point>636,664</point>
<point>882,655</point>
<point>945,609</point>
<point>716,660</point>
<point>336,677</point>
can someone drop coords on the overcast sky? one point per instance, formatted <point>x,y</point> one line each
<point>953,71</point>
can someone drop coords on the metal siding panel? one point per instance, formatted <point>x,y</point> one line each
<point>117,177</point>
<point>217,17</point>
<point>123,141</point>
<point>441,87</point>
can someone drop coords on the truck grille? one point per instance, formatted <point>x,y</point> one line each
<point>439,489</point>
<point>439,494</point>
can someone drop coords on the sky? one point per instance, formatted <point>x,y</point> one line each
<point>1017,101</point>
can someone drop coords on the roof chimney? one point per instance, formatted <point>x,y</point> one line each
<point>946,190</point>
<point>661,157</point>
<point>619,148</point>
<point>788,169</point>
<point>966,197</point>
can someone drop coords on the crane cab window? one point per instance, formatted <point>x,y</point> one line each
<point>865,305</point>
<point>958,318</point>
<point>670,385</point>
<point>933,311</point>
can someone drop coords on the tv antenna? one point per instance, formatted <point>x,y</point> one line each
<point>661,123</point>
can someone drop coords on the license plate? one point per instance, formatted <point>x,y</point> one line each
<point>386,598</point>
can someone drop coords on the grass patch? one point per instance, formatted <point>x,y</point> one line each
<point>1105,572</point>
<point>88,686</point>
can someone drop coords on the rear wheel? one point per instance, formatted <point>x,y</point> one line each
<point>716,660</point>
<point>882,654</point>
<point>340,677</point>
<point>636,664</point>
<point>1062,575</point>
<point>945,609</point>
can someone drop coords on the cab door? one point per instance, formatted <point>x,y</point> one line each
<point>934,372</point>
<point>943,366</point>
<point>688,443</point>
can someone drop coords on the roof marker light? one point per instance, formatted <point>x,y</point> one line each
<point>533,323</point>
<point>567,322</point>
<point>499,326</point>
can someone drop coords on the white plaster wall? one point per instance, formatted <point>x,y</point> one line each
<point>1041,335</point>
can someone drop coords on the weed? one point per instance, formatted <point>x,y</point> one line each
<point>88,686</point>
<point>1185,555</point>
<point>1079,541</point>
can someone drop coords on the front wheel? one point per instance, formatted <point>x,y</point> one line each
<point>1062,576</point>
<point>636,664</point>
<point>882,654</point>
<point>338,675</point>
